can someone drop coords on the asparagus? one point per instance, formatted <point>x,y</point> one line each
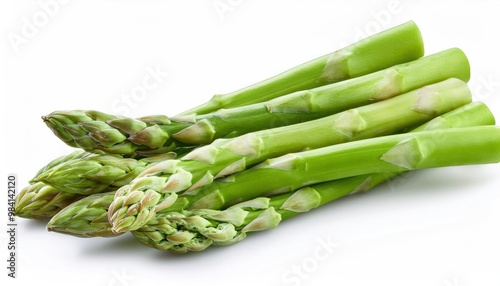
<point>93,130</point>
<point>394,153</point>
<point>322,101</point>
<point>196,229</point>
<point>41,201</point>
<point>75,155</point>
<point>95,173</point>
<point>86,217</point>
<point>156,188</point>
<point>69,178</point>
<point>399,44</point>
<point>473,114</point>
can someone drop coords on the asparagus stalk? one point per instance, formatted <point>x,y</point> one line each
<point>75,155</point>
<point>157,187</point>
<point>86,217</point>
<point>394,153</point>
<point>96,131</point>
<point>71,177</point>
<point>197,229</point>
<point>322,101</point>
<point>473,114</point>
<point>95,173</point>
<point>41,201</point>
<point>399,44</point>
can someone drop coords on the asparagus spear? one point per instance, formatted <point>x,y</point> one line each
<point>92,130</point>
<point>322,101</point>
<point>41,201</point>
<point>86,217</point>
<point>197,229</point>
<point>69,178</point>
<point>95,173</point>
<point>75,155</point>
<point>156,188</point>
<point>394,153</point>
<point>399,44</point>
<point>473,114</point>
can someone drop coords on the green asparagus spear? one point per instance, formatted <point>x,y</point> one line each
<point>399,44</point>
<point>95,173</point>
<point>86,217</point>
<point>71,177</point>
<point>473,114</point>
<point>394,153</point>
<point>195,230</point>
<point>319,102</point>
<point>92,130</point>
<point>75,155</point>
<point>40,201</point>
<point>157,187</point>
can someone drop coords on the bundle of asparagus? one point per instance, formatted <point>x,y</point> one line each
<point>242,162</point>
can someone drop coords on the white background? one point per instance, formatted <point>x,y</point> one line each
<point>434,227</point>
